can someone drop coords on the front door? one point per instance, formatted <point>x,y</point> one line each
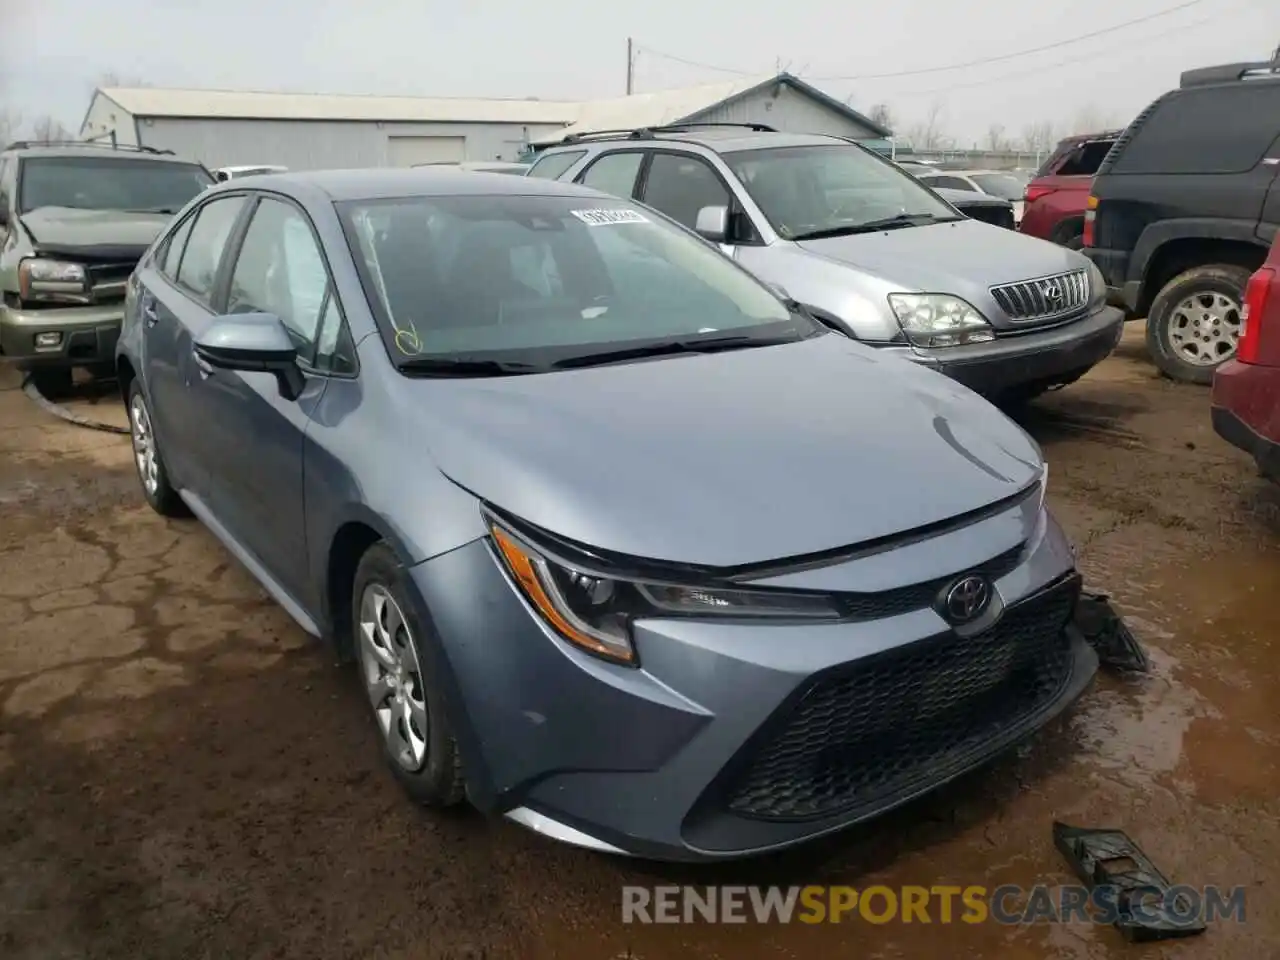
<point>253,437</point>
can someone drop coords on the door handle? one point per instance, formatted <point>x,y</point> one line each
<point>149,315</point>
<point>203,365</point>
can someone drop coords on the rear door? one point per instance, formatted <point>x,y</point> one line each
<point>174,301</point>
<point>252,438</point>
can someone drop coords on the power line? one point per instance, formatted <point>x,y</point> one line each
<point>1041,68</point>
<point>1001,58</point>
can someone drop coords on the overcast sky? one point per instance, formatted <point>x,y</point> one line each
<point>576,49</point>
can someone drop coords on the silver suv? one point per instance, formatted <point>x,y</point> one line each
<point>866,248</point>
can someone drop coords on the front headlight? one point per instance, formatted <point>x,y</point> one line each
<point>1097,286</point>
<point>594,610</point>
<point>939,320</point>
<point>51,279</point>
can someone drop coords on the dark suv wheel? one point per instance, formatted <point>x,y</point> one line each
<point>1194,322</point>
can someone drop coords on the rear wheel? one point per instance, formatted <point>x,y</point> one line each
<point>152,474</point>
<point>1193,325</point>
<point>404,698</point>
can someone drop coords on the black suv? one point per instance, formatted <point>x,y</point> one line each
<point>1184,208</point>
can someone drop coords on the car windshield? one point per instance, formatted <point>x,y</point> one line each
<point>539,281</point>
<point>106,183</point>
<point>828,190</point>
<point>1000,184</point>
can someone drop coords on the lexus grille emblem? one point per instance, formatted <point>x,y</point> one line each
<point>967,599</point>
<point>1052,291</point>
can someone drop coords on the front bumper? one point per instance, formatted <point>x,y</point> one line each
<point>734,739</point>
<point>86,335</point>
<point>1046,358</point>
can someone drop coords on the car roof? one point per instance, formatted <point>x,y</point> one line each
<point>721,140</point>
<point>92,150</point>
<point>383,183</point>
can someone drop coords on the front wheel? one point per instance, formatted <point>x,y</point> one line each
<point>404,699</point>
<point>1193,325</point>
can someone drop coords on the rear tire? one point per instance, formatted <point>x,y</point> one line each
<point>1193,325</point>
<point>405,700</point>
<point>152,475</point>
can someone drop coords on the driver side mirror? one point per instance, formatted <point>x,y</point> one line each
<point>713,224</point>
<point>252,342</point>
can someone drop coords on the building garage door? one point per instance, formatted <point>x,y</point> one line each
<point>409,151</point>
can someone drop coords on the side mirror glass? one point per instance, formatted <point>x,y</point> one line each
<point>252,342</point>
<point>713,224</point>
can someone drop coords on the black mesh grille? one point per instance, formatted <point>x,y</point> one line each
<point>893,724</point>
<point>918,596</point>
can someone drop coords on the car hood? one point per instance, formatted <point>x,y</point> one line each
<point>730,458</point>
<point>963,257</point>
<point>66,230</point>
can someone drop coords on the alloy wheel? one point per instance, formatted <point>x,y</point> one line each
<point>393,677</point>
<point>144,445</point>
<point>1204,329</point>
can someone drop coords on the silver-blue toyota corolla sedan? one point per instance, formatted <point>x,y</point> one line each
<point>624,546</point>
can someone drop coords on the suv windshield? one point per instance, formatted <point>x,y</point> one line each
<point>1004,185</point>
<point>537,281</point>
<point>830,190</point>
<point>106,183</point>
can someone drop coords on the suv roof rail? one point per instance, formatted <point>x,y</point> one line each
<point>643,133</point>
<point>128,147</point>
<point>1230,73</point>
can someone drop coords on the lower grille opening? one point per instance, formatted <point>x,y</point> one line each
<point>892,724</point>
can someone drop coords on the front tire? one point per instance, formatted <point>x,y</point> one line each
<point>152,474</point>
<point>404,699</point>
<point>1193,325</point>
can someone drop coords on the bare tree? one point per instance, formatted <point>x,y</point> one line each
<point>1038,137</point>
<point>995,138</point>
<point>882,114</point>
<point>110,78</point>
<point>928,133</point>
<point>47,129</point>
<point>10,125</point>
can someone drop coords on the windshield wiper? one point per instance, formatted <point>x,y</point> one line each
<point>466,367</point>
<point>670,348</point>
<point>896,222</point>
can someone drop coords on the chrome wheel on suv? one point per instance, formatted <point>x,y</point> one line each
<point>1205,328</point>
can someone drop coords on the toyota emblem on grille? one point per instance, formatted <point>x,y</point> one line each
<point>1052,291</point>
<point>967,599</point>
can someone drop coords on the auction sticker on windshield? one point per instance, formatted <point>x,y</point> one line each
<point>600,218</point>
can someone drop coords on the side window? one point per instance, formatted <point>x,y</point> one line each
<point>174,246</point>
<point>614,173</point>
<point>553,166</point>
<point>1207,130</point>
<point>202,254</point>
<point>280,270</point>
<point>335,351</point>
<point>680,186</point>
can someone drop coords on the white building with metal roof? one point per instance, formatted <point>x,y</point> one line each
<point>316,131</point>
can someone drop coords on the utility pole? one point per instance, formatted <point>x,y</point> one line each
<point>631,67</point>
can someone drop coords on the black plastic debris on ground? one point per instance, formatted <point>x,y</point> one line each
<point>1115,644</point>
<point>1146,906</point>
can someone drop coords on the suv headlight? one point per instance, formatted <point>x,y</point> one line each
<point>1097,286</point>
<point>40,279</point>
<point>939,320</point>
<point>594,610</point>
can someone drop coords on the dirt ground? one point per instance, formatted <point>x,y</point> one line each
<point>183,774</point>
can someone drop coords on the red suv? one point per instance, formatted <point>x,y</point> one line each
<point>1246,390</point>
<point>1053,207</point>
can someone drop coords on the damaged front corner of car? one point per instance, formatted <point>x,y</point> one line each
<point>1105,630</point>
